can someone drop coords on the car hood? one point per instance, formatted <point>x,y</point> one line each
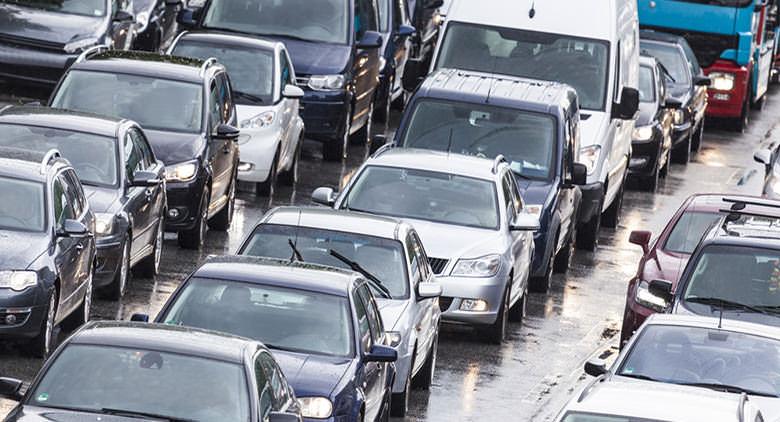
<point>47,27</point>
<point>391,311</point>
<point>312,375</point>
<point>668,266</point>
<point>534,192</point>
<point>647,113</point>
<point>680,92</point>
<point>174,147</point>
<point>101,199</point>
<point>42,414</point>
<point>592,127</point>
<point>20,249</point>
<point>452,242</point>
<point>312,58</point>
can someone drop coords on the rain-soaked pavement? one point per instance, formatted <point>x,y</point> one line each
<point>534,372</point>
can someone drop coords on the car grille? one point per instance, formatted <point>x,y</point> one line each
<point>438,264</point>
<point>445,303</point>
<point>707,47</point>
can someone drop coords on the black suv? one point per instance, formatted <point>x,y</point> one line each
<point>186,109</point>
<point>123,181</point>
<point>48,248</point>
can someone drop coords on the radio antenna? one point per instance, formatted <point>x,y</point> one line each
<point>532,12</point>
<point>449,143</point>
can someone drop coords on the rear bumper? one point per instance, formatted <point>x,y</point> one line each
<point>40,67</point>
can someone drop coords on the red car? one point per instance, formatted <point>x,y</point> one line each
<point>666,257</point>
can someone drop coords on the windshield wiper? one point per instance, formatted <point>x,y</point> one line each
<point>356,267</point>
<point>248,96</point>
<point>348,208</point>
<point>123,412</point>
<point>296,252</point>
<point>723,303</point>
<point>639,377</point>
<point>726,388</point>
<point>288,36</point>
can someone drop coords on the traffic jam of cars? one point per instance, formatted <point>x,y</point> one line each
<point>336,210</point>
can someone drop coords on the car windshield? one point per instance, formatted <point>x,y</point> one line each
<point>383,258</point>
<point>93,157</point>
<point>579,62</point>
<point>594,417</point>
<point>425,195</point>
<point>526,139</point>
<point>671,57</point>
<point>282,318</point>
<point>309,20</point>
<point>170,385</point>
<point>26,211</point>
<point>688,230</point>
<point>251,70</point>
<point>72,7</point>
<point>691,355</point>
<point>156,104</point>
<point>646,85</point>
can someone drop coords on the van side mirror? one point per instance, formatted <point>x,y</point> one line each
<point>10,388</point>
<point>579,175</point>
<point>379,353</point>
<point>188,18</point>
<point>662,289</point>
<point>324,196</point>
<point>596,367</point>
<point>641,238</point>
<point>370,40</point>
<point>292,92</point>
<point>628,106</point>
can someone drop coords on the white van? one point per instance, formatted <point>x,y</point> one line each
<point>592,45</point>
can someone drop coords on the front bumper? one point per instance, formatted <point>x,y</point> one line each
<point>592,198</point>
<point>185,198</point>
<point>28,308</point>
<point>31,65</point>
<point>109,258</point>
<point>456,289</point>
<point>258,148</point>
<point>644,156</point>
<point>324,114</point>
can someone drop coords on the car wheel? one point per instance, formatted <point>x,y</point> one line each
<point>224,217</point>
<point>681,154</point>
<point>290,177</point>
<point>336,149</point>
<point>741,123</point>
<point>118,286</point>
<point>496,332</point>
<point>267,188</point>
<point>363,136</point>
<point>611,217</point>
<point>517,312</point>
<point>563,257</point>
<point>698,137</point>
<point>150,266</point>
<point>541,284</point>
<point>650,183</point>
<point>399,404</point>
<point>196,236</point>
<point>588,233</point>
<point>41,345</point>
<point>424,379</point>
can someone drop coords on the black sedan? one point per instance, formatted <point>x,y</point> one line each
<point>155,372</point>
<point>123,181</point>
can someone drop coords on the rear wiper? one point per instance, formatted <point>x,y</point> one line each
<point>723,303</point>
<point>122,412</point>
<point>248,96</point>
<point>726,388</point>
<point>356,267</point>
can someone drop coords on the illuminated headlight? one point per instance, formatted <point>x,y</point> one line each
<point>679,117</point>
<point>473,305</point>
<point>260,121</point>
<point>643,133</point>
<point>181,172</point>
<point>535,210</point>
<point>393,338</point>
<point>487,266</point>
<point>104,224</point>
<point>80,45</point>
<point>647,299</point>
<point>589,156</point>
<point>18,280</point>
<point>326,82</point>
<point>315,407</point>
<point>722,81</point>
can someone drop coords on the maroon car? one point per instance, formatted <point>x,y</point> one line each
<point>665,258</point>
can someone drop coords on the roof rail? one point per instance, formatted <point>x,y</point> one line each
<point>206,64</point>
<point>50,155</point>
<point>590,388</point>
<point>383,149</point>
<point>91,52</point>
<point>739,208</point>
<point>497,162</point>
<point>739,204</point>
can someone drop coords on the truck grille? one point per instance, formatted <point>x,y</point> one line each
<point>438,264</point>
<point>707,47</point>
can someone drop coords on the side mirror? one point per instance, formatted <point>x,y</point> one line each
<point>579,175</point>
<point>525,222</point>
<point>596,367</point>
<point>370,40</point>
<point>763,156</point>
<point>673,104</point>
<point>293,92</point>
<point>641,238</point>
<point>10,388</point>
<point>227,132</point>
<point>283,417</point>
<point>662,289</point>
<point>434,4</point>
<point>628,106</point>
<point>414,74</point>
<point>377,141</point>
<point>429,290</point>
<point>139,318</point>
<point>379,353</point>
<point>123,16</point>
<point>324,196</point>
<point>73,228</point>
<point>188,18</point>
<point>145,179</point>
<point>702,81</point>
<point>405,31</point>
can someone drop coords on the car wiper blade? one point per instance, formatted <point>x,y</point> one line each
<point>727,388</point>
<point>356,267</point>
<point>248,96</point>
<point>123,412</point>
<point>296,253</point>
<point>348,208</point>
<point>288,36</point>
<point>723,303</point>
<point>639,377</point>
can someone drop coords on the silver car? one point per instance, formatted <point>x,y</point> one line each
<point>390,255</point>
<point>471,220</point>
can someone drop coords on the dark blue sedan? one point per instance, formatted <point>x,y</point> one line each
<point>322,325</point>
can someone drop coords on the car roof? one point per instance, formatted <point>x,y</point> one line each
<point>221,38</point>
<point>144,64</point>
<point>436,161</point>
<point>724,324</point>
<point>485,88</point>
<point>61,119</point>
<point>162,337</point>
<point>665,37</point>
<point>26,164</point>
<point>273,272</point>
<point>336,220</point>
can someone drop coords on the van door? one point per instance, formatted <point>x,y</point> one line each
<point>366,63</point>
<point>621,130</point>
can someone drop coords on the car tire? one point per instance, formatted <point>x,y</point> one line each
<point>681,154</point>
<point>563,257</point>
<point>266,188</point>
<point>496,332</point>
<point>611,217</point>
<point>224,218</point>
<point>336,149</point>
<point>118,286</point>
<point>363,136</point>
<point>399,404</point>
<point>196,236</point>
<point>740,124</point>
<point>150,266</point>
<point>424,379</point>
<point>541,284</point>
<point>588,233</point>
<point>698,137</point>
<point>290,177</point>
<point>81,315</point>
<point>41,345</point>
<point>382,114</point>
<point>517,312</point>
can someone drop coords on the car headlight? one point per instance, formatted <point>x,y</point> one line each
<point>535,210</point>
<point>645,298</point>
<point>722,81</point>
<point>315,407</point>
<point>18,280</point>
<point>104,224</point>
<point>393,338</point>
<point>260,121</point>
<point>643,133</point>
<point>589,156</point>
<point>486,266</point>
<point>327,82</point>
<point>181,172</point>
<point>142,20</point>
<point>80,45</point>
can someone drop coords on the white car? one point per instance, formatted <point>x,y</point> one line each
<point>687,368</point>
<point>267,102</point>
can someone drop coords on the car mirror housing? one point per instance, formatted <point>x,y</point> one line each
<point>662,289</point>
<point>525,222</point>
<point>370,40</point>
<point>283,417</point>
<point>579,175</point>
<point>628,106</point>
<point>227,132</point>
<point>145,179</point>
<point>292,92</point>
<point>596,367</point>
<point>10,388</point>
<point>763,156</point>
<point>641,238</point>
<point>324,196</point>
<point>672,104</point>
<point>73,228</point>
<point>379,353</point>
<point>139,318</point>
<point>405,31</point>
<point>429,290</point>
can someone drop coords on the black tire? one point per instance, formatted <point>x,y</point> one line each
<point>290,177</point>
<point>611,217</point>
<point>42,345</point>
<point>336,149</point>
<point>698,137</point>
<point>649,183</point>
<point>382,113</point>
<point>424,379</point>
<point>496,332</point>
<point>563,257</point>
<point>224,218</point>
<point>740,124</point>
<point>399,404</point>
<point>81,315</point>
<point>681,154</point>
<point>400,103</point>
<point>384,413</point>
<point>517,312</point>
<point>363,136</point>
<point>195,237</point>
<point>588,233</point>
<point>541,283</point>
<point>118,286</point>
<point>150,266</point>
<point>267,188</point>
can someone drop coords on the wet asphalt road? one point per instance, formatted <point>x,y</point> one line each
<point>537,369</point>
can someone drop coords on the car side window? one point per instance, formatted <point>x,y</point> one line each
<point>414,260</point>
<point>425,268</point>
<point>264,389</point>
<point>286,70</point>
<point>275,379</point>
<point>144,150</point>
<point>133,159</point>
<point>75,192</point>
<point>63,207</point>
<point>225,98</point>
<point>215,114</point>
<point>364,328</point>
<point>374,319</point>
<point>365,17</point>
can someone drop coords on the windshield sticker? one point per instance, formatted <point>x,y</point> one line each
<point>42,397</point>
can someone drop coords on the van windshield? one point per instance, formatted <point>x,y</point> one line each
<point>579,62</point>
